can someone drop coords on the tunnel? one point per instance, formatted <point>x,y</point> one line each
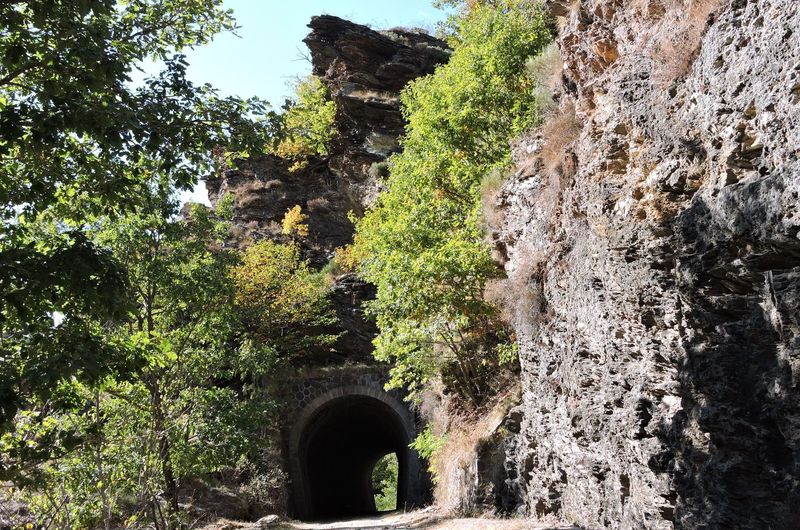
<point>337,442</point>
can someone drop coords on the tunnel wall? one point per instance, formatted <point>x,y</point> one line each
<point>312,396</point>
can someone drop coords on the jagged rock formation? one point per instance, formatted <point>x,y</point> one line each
<point>658,245</point>
<point>365,71</point>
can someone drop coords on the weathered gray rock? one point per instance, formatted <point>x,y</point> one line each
<point>269,521</point>
<point>659,334</point>
<point>365,71</point>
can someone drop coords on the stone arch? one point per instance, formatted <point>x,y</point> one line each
<point>336,440</point>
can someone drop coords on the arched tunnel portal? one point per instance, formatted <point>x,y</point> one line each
<point>334,445</point>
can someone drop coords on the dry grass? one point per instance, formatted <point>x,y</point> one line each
<point>560,131</point>
<point>684,25</point>
<point>491,184</point>
<point>564,10</point>
<point>455,468</point>
<point>519,296</point>
<point>318,204</point>
<point>256,185</point>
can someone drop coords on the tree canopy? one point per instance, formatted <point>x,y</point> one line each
<point>78,141</point>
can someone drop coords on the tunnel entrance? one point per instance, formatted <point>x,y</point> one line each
<point>337,442</point>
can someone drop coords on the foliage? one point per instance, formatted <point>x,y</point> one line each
<point>427,445</point>
<point>78,142</point>
<point>384,483</point>
<point>345,258</point>
<point>545,70</point>
<point>343,261</point>
<point>123,360</point>
<point>422,243</point>
<point>294,222</point>
<point>283,304</point>
<point>208,325</point>
<point>308,123</point>
<point>225,206</point>
<point>172,417</point>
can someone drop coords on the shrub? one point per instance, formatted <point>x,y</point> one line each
<point>379,170</point>
<point>225,206</point>
<point>346,258</point>
<point>282,302</point>
<point>545,70</point>
<point>307,123</point>
<point>294,222</point>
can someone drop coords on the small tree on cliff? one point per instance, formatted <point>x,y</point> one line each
<point>307,123</point>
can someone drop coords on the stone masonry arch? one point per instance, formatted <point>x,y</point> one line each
<point>334,442</point>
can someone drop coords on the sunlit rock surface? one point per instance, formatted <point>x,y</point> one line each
<point>660,258</point>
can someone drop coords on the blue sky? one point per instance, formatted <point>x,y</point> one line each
<point>268,52</point>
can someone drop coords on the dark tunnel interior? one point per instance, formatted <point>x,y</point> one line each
<point>341,446</point>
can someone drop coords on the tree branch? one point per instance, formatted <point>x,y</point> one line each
<point>8,78</point>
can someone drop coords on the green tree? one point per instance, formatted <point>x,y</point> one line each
<point>422,244</point>
<point>307,123</point>
<point>79,142</point>
<point>181,325</point>
<point>181,414</point>
<point>384,483</point>
<point>282,303</point>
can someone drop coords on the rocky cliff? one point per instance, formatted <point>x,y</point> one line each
<point>364,70</point>
<point>653,225</point>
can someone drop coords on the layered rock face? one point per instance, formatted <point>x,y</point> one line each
<point>654,226</point>
<point>365,70</point>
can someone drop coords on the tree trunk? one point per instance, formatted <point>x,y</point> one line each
<point>170,481</point>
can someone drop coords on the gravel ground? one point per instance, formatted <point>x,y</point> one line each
<point>422,519</point>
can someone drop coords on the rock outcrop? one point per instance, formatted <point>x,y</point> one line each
<point>658,247</point>
<point>364,70</point>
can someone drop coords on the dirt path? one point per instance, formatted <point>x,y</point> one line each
<point>423,519</point>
